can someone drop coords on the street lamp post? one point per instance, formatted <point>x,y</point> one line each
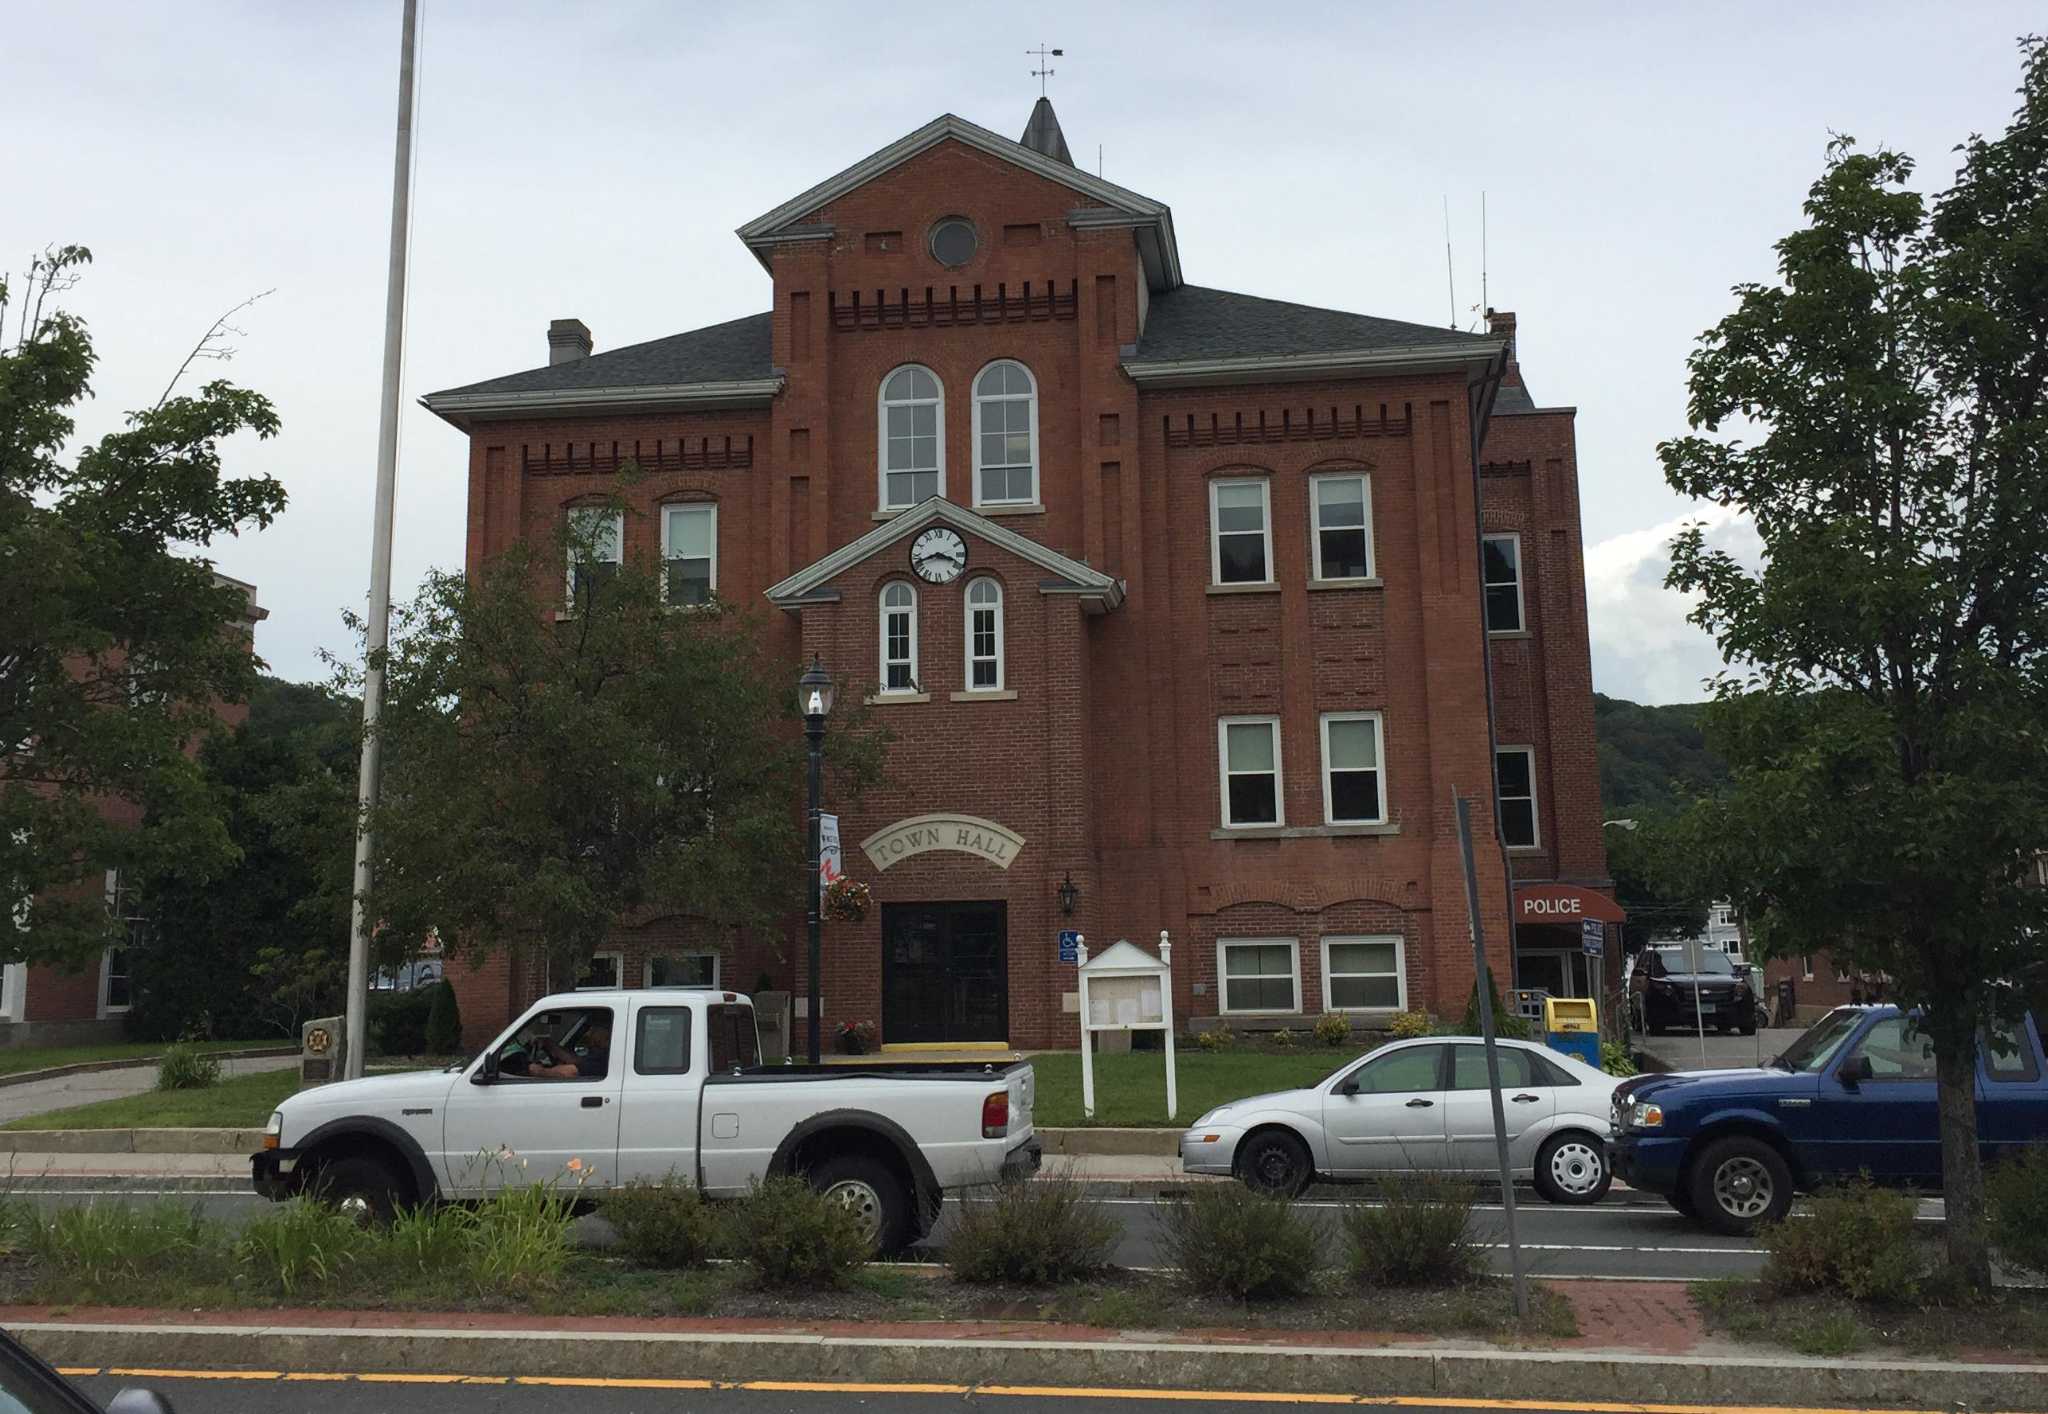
<point>814,699</point>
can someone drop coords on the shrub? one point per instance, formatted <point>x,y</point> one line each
<point>519,1239</point>
<point>1857,1239</point>
<point>1616,1058</point>
<point>1331,1029</point>
<point>664,1224</point>
<point>397,1023</point>
<point>1285,1039</point>
<point>791,1236</point>
<point>1505,1023</point>
<point>1216,1038</point>
<point>1037,1231</point>
<point>298,1242</point>
<point>1410,1024</point>
<point>2017,1194</point>
<point>443,1031</point>
<point>186,1067</point>
<point>1415,1235</point>
<point>1229,1241</point>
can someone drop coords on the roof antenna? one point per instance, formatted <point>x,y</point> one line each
<point>1485,305</point>
<point>1450,278</point>
<point>1042,73</point>
<point>1098,159</point>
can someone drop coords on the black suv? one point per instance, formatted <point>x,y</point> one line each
<point>1681,988</point>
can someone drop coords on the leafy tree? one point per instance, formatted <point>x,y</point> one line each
<point>115,638</point>
<point>1888,730</point>
<point>1653,760</point>
<point>551,776</point>
<point>1656,880</point>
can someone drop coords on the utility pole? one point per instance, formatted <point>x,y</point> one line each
<point>377,628</point>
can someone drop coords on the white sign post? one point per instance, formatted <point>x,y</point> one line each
<point>831,862</point>
<point>1126,990</point>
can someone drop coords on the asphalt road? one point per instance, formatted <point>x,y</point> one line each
<point>1681,1050</point>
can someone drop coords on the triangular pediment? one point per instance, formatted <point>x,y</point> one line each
<point>1063,574</point>
<point>1122,955</point>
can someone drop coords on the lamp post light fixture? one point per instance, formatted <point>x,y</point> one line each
<point>814,700</point>
<point>1069,894</point>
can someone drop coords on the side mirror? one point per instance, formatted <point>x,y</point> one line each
<point>1347,1086</point>
<point>487,1073</point>
<point>1856,1072</point>
<point>136,1400</point>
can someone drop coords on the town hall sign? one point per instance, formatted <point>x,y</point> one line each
<point>920,834</point>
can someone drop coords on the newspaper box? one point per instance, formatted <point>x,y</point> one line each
<point>1572,1025</point>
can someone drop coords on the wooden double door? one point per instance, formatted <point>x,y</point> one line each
<point>945,972</point>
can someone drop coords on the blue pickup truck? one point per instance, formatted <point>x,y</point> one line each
<point>1855,1094</point>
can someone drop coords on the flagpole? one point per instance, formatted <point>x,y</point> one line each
<point>377,627</point>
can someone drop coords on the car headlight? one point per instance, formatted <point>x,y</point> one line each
<point>273,1129</point>
<point>1645,1115</point>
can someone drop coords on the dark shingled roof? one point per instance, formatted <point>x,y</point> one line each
<point>1513,398</point>
<point>1194,322</point>
<point>722,353</point>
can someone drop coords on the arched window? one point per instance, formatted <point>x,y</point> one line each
<point>984,636</point>
<point>1005,436</point>
<point>899,637</point>
<point>912,454</point>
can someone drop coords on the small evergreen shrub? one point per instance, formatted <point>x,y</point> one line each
<point>397,1023</point>
<point>186,1067</point>
<point>1229,1241</point>
<point>1415,1236</point>
<point>666,1224</point>
<point>1216,1038</point>
<point>443,1031</point>
<point>1857,1239</point>
<point>1505,1023</point>
<point>2017,1193</point>
<point>1410,1024</point>
<point>1331,1029</point>
<point>1035,1231</point>
<point>792,1237</point>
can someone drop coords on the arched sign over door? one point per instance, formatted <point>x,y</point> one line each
<point>921,834</point>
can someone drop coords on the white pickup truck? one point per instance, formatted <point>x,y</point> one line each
<point>603,1087</point>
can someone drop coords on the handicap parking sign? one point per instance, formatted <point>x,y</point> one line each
<point>1070,945</point>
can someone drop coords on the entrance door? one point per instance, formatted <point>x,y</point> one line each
<point>945,972</point>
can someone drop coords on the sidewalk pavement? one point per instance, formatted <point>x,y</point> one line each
<point>36,1097</point>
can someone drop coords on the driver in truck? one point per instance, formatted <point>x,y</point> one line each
<point>566,1065</point>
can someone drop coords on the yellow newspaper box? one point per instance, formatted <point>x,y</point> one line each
<point>1571,1014</point>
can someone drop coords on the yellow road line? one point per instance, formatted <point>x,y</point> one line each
<point>595,1382</point>
<point>72,1372</point>
<point>137,1372</point>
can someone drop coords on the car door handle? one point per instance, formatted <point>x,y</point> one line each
<point>593,1102</point>
<point>1525,1099</point>
<point>1418,1103</point>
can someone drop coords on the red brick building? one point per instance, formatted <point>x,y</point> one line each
<point>1189,600</point>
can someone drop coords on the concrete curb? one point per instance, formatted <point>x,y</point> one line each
<point>1123,1143</point>
<point>1116,1361</point>
<point>130,1141</point>
<point>58,1072</point>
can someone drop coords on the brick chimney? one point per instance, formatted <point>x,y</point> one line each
<point>1501,324</point>
<point>569,340</point>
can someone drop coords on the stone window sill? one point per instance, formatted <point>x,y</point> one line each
<point>1300,832</point>
<point>1244,588</point>
<point>1032,508</point>
<point>1507,633</point>
<point>1525,849</point>
<point>898,699</point>
<point>1371,582</point>
<point>984,695</point>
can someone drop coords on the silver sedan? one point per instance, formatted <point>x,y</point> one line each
<point>1419,1106</point>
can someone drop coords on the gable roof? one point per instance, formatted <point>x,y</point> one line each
<point>1097,590</point>
<point>1107,203</point>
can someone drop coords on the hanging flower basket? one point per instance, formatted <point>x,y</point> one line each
<point>856,1038</point>
<point>847,900</point>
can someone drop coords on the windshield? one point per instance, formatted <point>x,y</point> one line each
<point>1707,960</point>
<point>1811,1052</point>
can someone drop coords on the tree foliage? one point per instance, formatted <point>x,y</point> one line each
<point>1657,880</point>
<point>116,636</point>
<point>1653,759</point>
<point>1887,717</point>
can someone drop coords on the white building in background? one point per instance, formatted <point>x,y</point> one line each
<point>1724,931</point>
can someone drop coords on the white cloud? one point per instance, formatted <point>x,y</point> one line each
<point>1643,647</point>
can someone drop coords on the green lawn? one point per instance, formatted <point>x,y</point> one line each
<point>243,1102</point>
<point>15,1059</point>
<point>1131,1089</point>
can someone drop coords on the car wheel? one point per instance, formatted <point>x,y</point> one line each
<point>1682,1200</point>
<point>1274,1163</point>
<point>1738,1184</point>
<point>362,1187</point>
<point>1572,1168</point>
<point>877,1198</point>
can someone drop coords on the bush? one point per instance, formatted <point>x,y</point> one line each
<point>1331,1029</point>
<point>2017,1194</point>
<point>442,1034</point>
<point>664,1224</point>
<point>397,1023</point>
<point>1216,1038</point>
<point>1410,1024</point>
<point>1616,1058</point>
<point>1857,1239</point>
<point>791,1236</point>
<point>1285,1039</point>
<point>298,1242</point>
<point>1036,1231</point>
<point>186,1067</point>
<point>1505,1023</point>
<point>1229,1241</point>
<point>1416,1235</point>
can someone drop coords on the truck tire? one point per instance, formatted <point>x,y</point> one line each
<point>360,1186</point>
<point>876,1196</point>
<point>1681,1199</point>
<point>1738,1184</point>
<point>1571,1168</point>
<point>1274,1163</point>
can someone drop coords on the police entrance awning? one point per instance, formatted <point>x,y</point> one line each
<point>1565,904</point>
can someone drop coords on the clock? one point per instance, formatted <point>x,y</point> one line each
<point>938,555</point>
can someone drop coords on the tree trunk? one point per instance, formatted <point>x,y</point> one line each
<point>1962,1171</point>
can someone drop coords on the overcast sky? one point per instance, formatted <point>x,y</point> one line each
<point>593,160</point>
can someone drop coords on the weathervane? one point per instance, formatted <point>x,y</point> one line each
<point>1042,73</point>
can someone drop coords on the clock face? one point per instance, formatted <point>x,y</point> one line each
<point>938,555</point>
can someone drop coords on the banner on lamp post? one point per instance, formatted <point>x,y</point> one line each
<point>831,864</point>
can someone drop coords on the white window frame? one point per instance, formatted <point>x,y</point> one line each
<point>1223,947</point>
<point>882,406</point>
<point>668,512</point>
<point>882,611</point>
<point>594,513</point>
<point>1315,527</point>
<point>647,967</point>
<point>1379,733</point>
<point>1806,967</point>
<point>968,656</point>
<point>1223,773</point>
<point>1031,400</point>
<point>14,991</point>
<point>618,958</point>
<point>1265,485</point>
<point>113,895</point>
<point>1521,579</point>
<point>1400,970</point>
<point>1534,798</point>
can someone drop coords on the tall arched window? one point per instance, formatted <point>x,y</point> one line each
<point>984,636</point>
<point>1005,436</point>
<point>912,455</point>
<point>899,637</point>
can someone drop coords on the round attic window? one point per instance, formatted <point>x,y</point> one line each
<point>954,241</point>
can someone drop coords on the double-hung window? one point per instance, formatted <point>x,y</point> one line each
<point>1250,750</point>
<point>1241,532</point>
<point>691,969</point>
<point>1363,974</point>
<point>984,636</point>
<point>913,449</point>
<point>1501,562</point>
<point>1005,436</point>
<point>1342,507</point>
<point>1259,974</point>
<point>605,969</point>
<point>689,553</point>
<point>899,637</point>
<point>1514,769</point>
<point>1354,782</point>
<point>597,547</point>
